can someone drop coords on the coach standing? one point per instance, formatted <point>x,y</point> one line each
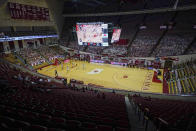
<point>56,73</point>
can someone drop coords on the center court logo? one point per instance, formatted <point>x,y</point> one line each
<point>95,71</point>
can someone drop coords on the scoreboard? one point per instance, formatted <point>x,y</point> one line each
<point>95,34</point>
<point>28,12</point>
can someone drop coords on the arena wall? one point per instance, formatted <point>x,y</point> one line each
<point>56,8</point>
<point>185,58</point>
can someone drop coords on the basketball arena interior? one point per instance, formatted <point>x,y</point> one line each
<point>98,65</point>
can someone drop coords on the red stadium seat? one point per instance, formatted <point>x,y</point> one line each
<point>37,128</point>
<point>104,128</point>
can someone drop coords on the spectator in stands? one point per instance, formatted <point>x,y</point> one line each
<point>74,87</point>
<point>115,50</point>
<point>15,77</point>
<point>19,77</point>
<point>25,61</point>
<point>26,78</point>
<point>172,45</point>
<point>83,89</point>
<point>49,80</point>
<point>98,95</point>
<point>2,35</point>
<point>65,82</point>
<point>40,80</point>
<point>103,95</point>
<point>69,85</point>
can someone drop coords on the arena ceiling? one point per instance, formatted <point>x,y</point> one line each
<point>74,7</point>
<point>104,6</point>
<point>91,3</point>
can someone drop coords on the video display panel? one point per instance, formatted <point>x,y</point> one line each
<point>116,35</point>
<point>95,34</point>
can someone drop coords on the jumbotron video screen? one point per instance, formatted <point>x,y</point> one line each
<point>116,35</point>
<point>95,34</point>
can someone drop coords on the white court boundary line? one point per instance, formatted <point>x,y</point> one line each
<point>49,69</point>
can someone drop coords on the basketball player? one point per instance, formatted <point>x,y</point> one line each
<point>67,69</point>
<point>72,65</point>
<point>83,66</point>
<point>76,65</point>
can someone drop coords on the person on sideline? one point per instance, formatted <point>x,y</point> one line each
<point>56,73</point>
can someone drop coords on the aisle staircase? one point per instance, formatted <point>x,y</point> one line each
<point>189,46</point>
<point>137,119</point>
<point>183,81</point>
<point>47,60</point>
<point>22,60</point>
